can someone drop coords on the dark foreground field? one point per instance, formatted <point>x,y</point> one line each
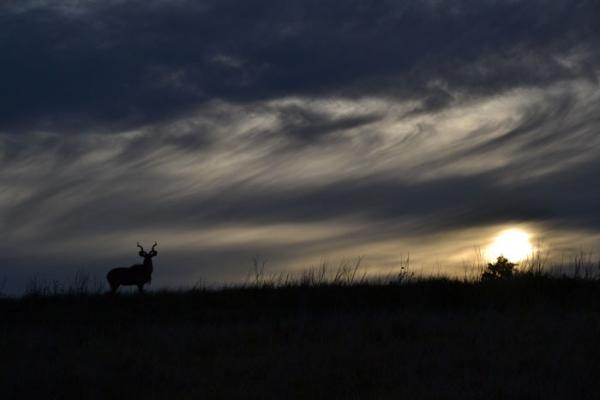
<point>429,339</point>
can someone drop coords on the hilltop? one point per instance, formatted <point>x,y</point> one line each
<point>420,339</point>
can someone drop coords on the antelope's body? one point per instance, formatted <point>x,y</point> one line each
<point>138,274</point>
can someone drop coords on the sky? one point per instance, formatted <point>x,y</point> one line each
<point>298,131</point>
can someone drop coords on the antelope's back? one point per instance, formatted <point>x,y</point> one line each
<point>133,275</point>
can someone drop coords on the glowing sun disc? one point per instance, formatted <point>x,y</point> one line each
<point>513,244</point>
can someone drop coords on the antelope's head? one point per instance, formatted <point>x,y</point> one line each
<point>147,256</point>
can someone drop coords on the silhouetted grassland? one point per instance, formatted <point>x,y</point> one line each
<point>533,336</point>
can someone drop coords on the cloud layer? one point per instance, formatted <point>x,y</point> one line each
<point>296,130</point>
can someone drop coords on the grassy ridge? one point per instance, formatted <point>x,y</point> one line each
<point>533,336</point>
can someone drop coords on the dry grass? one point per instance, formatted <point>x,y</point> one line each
<point>331,332</point>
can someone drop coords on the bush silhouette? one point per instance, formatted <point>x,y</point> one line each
<point>501,269</point>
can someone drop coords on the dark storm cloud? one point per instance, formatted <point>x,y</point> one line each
<point>89,66</point>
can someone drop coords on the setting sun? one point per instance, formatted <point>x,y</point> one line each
<point>513,244</point>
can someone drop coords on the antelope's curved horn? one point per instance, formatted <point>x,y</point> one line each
<point>153,246</point>
<point>141,248</point>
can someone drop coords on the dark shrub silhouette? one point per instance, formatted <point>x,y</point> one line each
<point>138,274</point>
<point>501,269</point>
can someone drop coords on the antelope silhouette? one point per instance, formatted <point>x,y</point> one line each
<point>137,274</point>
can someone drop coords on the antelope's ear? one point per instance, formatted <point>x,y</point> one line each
<point>153,253</point>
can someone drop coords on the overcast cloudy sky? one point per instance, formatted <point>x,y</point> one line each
<point>296,130</point>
